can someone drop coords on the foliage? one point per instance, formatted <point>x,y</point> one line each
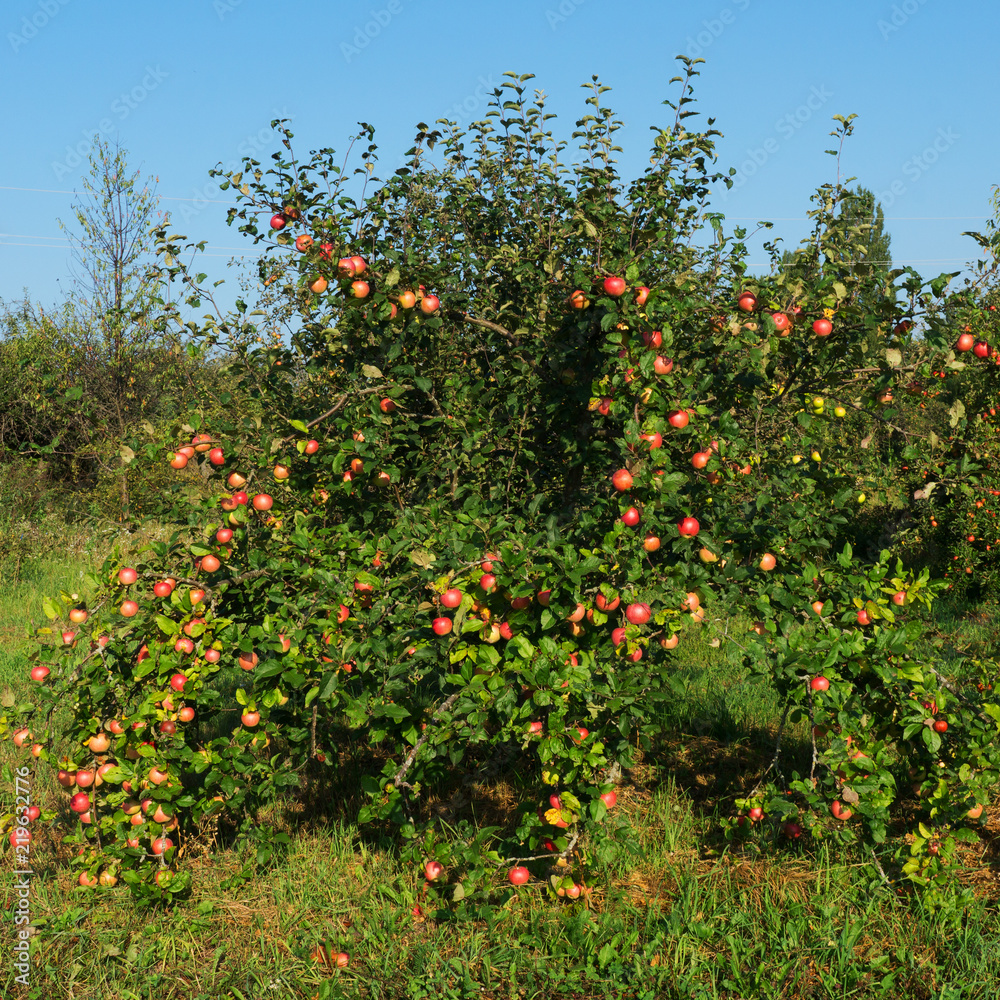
<point>538,401</point>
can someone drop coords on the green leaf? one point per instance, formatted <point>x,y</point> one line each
<point>51,611</point>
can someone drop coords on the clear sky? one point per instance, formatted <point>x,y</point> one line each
<point>188,84</point>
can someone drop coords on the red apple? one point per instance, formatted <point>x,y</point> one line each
<point>822,327</point>
<point>433,870</point>
<point>631,517</point>
<point>678,418</point>
<point>780,321</point>
<point>820,684</point>
<point>250,719</point>
<point>747,302</point>
<point>639,613</point>
<point>518,875</point>
<point>614,286</point>
<point>689,527</point>
<point>622,480</point>
<point>441,626</point>
<point>965,342</point>
<point>39,672</point>
<point>127,576</point>
<point>178,681</point>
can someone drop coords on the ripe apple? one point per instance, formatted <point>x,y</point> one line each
<point>236,481</point>
<point>387,405</point>
<point>700,459</point>
<point>654,440</point>
<point>638,613</point>
<point>631,517</point>
<point>116,727</point>
<point>822,327</point>
<point>441,626</point>
<point>161,845</point>
<point>651,542</point>
<point>663,366</point>
<point>210,563</point>
<point>581,734</point>
<point>129,609</point>
<point>606,604</point>
<point>817,606</point>
<point>217,456</point>
<point>178,681</point>
<point>518,875</point>
<point>965,342</point>
<point>80,802</point>
<point>840,811</point>
<point>21,736</point>
<point>981,349</point>
<point>318,285</point>
<point>196,596</point>
<point>250,719</point>
<point>33,812</point>
<point>212,655</point>
<point>487,582</point>
<point>641,295</point>
<point>360,289</point>
<point>689,527</point>
<point>863,617</point>
<point>622,480</point>
<point>652,339</point>
<point>792,830</point>
<point>544,596</point>
<point>87,880</point>
<point>263,501</point>
<point>157,776</point>
<point>940,726</point>
<point>767,562</point>
<point>820,684</point>
<point>127,576</point>
<point>617,636</point>
<point>747,302</point>
<point>614,286</point>
<point>755,813</point>
<point>39,672</point>
<point>610,799</point>
<point>780,321</point>
<point>678,418</point>
<point>65,779</point>
<point>78,615</point>
<point>578,300</point>
<point>99,743</point>
<point>248,661</point>
<point>177,461</point>
<point>430,304</point>
<point>162,589</point>
<point>68,637</point>
<point>899,598</point>
<point>577,613</point>
<point>186,714</point>
<point>433,870</point>
<point>278,221</point>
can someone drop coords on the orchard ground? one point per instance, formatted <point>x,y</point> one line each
<point>681,913</point>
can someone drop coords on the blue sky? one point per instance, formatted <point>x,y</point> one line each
<point>186,85</point>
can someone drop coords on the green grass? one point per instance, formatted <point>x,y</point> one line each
<point>680,912</point>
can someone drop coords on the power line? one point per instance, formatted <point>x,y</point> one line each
<point>161,197</point>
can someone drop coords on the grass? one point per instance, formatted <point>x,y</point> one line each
<point>680,912</point>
